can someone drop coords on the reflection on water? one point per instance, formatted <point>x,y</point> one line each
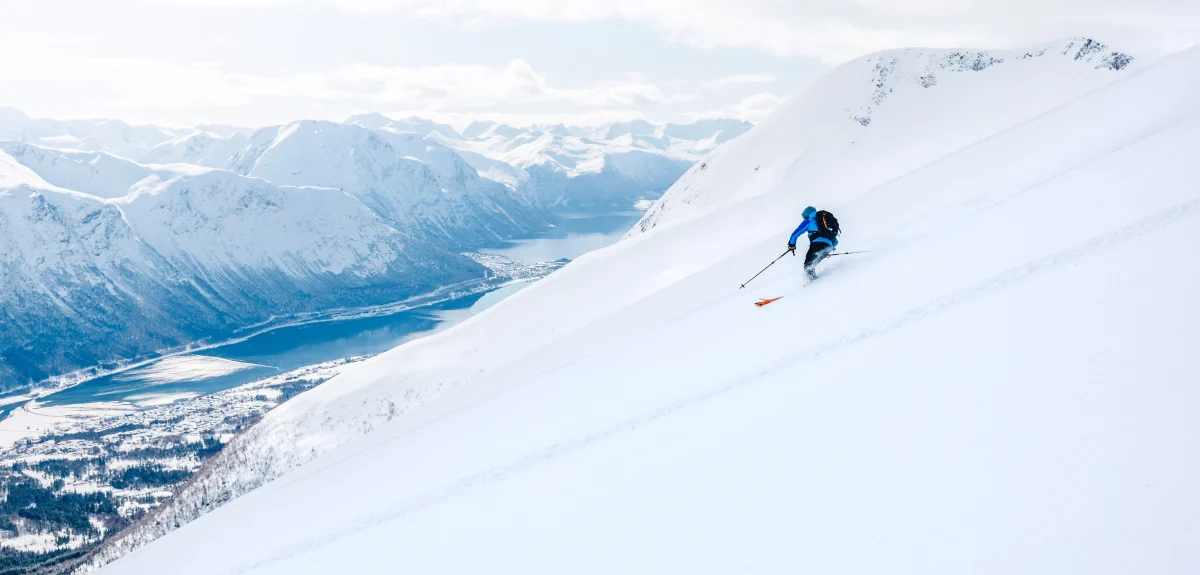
<point>288,348</point>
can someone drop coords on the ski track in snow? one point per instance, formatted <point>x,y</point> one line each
<point>1011,276</point>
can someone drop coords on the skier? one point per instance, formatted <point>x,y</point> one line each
<point>823,230</point>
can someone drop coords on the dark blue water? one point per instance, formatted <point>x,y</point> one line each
<point>287,348</point>
<point>281,350</point>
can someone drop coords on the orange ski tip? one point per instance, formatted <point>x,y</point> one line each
<point>763,302</point>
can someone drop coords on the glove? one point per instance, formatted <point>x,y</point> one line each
<point>792,248</point>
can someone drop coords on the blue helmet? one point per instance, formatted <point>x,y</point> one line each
<point>808,212</point>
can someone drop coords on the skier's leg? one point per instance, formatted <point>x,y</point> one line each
<point>821,255</point>
<point>811,258</point>
<point>817,251</point>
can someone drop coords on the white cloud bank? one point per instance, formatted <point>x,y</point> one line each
<point>831,30</point>
<point>64,76</point>
<point>144,89</point>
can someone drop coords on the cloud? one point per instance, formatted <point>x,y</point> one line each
<point>87,65</point>
<point>738,80</point>
<point>143,89</point>
<point>818,28</point>
<point>829,30</point>
<point>752,108</point>
<point>755,107</point>
<point>457,87</point>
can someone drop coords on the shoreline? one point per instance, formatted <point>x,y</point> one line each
<point>532,272</point>
<point>66,381</point>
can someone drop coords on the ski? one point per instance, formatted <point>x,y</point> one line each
<point>763,302</point>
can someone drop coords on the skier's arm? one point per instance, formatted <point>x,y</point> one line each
<point>796,234</point>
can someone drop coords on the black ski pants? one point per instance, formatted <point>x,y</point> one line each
<point>817,251</point>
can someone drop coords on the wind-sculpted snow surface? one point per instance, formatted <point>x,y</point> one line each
<point>1003,383</point>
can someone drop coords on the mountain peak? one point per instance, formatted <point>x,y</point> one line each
<point>14,174</point>
<point>477,129</point>
<point>370,120</point>
<point>13,117</point>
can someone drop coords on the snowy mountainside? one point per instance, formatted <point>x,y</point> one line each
<point>218,225</point>
<point>308,214</point>
<point>96,135</point>
<point>99,174</point>
<point>198,147</point>
<point>185,253</point>
<point>12,123</point>
<point>73,270</point>
<point>612,166</point>
<point>415,125</point>
<point>572,168</point>
<point>433,194</point>
<point>854,115</point>
<point>955,400</point>
<point>243,221</point>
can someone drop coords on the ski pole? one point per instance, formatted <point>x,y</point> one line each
<point>765,269</point>
<point>848,253</point>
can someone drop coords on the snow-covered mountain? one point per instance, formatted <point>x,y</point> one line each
<point>99,174</point>
<point>368,201</point>
<point>113,136</point>
<point>1003,383</point>
<point>855,116</point>
<point>414,183</point>
<point>414,125</point>
<point>612,166</point>
<point>198,147</point>
<point>73,269</point>
<point>183,254</point>
<point>572,168</point>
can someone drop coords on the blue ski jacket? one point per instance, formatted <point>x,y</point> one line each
<point>809,226</point>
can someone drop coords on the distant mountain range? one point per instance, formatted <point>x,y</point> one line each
<point>117,241</point>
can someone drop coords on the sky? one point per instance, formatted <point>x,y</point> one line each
<point>261,62</point>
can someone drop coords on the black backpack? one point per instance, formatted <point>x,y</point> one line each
<point>827,225</point>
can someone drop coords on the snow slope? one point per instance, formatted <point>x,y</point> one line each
<point>99,174</point>
<point>1003,384</point>
<point>840,137</point>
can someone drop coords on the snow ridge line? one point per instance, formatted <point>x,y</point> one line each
<point>1008,277</point>
<point>1030,120</point>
